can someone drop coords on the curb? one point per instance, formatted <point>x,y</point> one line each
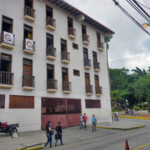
<point>130,117</point>
<point>142,126</point>
<point>33,148</point>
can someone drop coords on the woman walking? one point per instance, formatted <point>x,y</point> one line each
<point>59,133</point>
<point>49,133</point>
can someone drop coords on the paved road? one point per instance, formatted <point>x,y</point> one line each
<point>81,139</point>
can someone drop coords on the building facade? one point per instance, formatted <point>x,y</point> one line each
<point>53,64</point>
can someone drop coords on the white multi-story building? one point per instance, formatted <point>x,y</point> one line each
<point>53,64</point>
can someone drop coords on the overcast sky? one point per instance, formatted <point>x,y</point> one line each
<point>130,46</point>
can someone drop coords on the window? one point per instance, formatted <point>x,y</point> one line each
<point>7,24</point>
<point>22,102</point>
<point>2,101</point>
<point>65,74</point>
<point>63,45</point>
<point>70,22</point>
<point>50,71</point>
<point>49,40</point>
<point>91,103</point>
<point>60,106</point>
<point>28,32</point>
<point>5,62</point>
<point>75,46</point>
<point>49,12</point>
<point>83,29</point>
<point>76,72</point>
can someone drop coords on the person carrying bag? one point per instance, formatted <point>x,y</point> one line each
<point>59,134</point>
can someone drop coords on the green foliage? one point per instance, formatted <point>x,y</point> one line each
<point>134,87</point>
<point>137,108</point>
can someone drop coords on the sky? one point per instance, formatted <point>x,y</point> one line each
<point>130,46</point>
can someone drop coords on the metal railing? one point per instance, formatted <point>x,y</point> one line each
<point>100,45</point>
<point>66,86</point>
<point>85,37</point>
<point>71,31</point>
<point>96,65</point>
<point>29,11</point>
<point>65,56</point>
<point>28,80</point>
<point>52,84</point>
<point>98,90</point>
<point>50,21</point>
<point>2,39</point>
<point>6,78</point>
<point>50,51</point>
<point>89,88</point>
<point>87,62</point>
<point>29,48</point>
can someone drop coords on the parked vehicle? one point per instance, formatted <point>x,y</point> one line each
<point>8,128</point>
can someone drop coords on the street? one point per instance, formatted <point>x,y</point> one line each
<point>83,139</point>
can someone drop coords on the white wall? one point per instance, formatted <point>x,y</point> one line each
<point>32,117</point>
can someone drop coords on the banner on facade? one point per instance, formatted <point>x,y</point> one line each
<point>29,44</point>
<point>8,38</point>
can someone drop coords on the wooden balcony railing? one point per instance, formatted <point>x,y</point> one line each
<point>87,62</point>
<point>6,78</point>
<point>71,31</point>
<point>7,38</point>
<point>29,11</point>
<point>66,86</point>
<point>50,21</point>
<point>28,81</point>
<point>50,51</point>
<point>96,65</point>
<point>52,84</point>
<point>65,56</point>
<point>85,37</point>
<point>89,88</point>
<point>98,90</point>
<point>100,45</point>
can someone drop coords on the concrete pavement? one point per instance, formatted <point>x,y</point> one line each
<point>75,138</point>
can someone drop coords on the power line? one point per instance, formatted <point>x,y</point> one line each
<point>128,15</point>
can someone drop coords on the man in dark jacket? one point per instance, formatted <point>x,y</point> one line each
<point>59,133</point>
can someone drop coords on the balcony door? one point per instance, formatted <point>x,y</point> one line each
<point>5,63</point>
<point>70,23</point>
<point>7,24</point>
<point>87,79</point>
<point>85,53</point>
<point>96,80</point>
<point>49,12</point>
<point>27,32</point>
<point>63,45</point>
<point>50,72</point>
<point>65,75</point>
<point>83,29</point>
<point>29,3</point>
<point>49,40</point>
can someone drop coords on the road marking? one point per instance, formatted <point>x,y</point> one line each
<point>130,117</point>
<point>142,146</point>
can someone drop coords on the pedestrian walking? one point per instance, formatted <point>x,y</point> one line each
<point>94,121</point>
<point>59,133</point>
<point>116,114</point>
<point>85,118</point>
<point>49,133</point>
<point>81,121</point>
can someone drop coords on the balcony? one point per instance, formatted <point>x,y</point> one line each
<point>66,87</point>
<point>6,79</point>
<point>87,64</point>
<point>28,82</point>
<point>29,46</point>
<point>51,53</point>
<point>7,40</point>
<point>29,14</point>
<point>72,33</point>
<point>96,66</point>
<point>50,24</point>
<point>89,89</point>
<point>85,39</point>
<point>98,91</point>
<point>100,46</point>
<point>65,57</point>
<point>51,85</point>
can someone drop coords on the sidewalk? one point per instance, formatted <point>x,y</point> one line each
<point>120,125</point>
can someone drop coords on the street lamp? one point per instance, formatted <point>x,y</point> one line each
<point>145,25</point>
